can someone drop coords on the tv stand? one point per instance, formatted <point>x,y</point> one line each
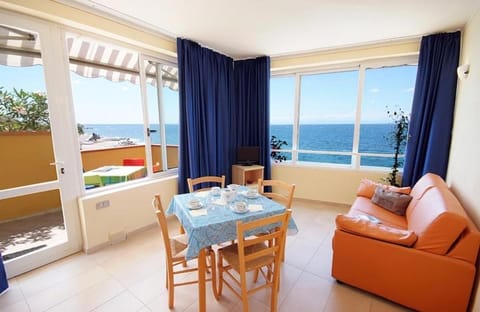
<point>246,174</point>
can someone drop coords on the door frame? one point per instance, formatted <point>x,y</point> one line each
<point>65,143</point>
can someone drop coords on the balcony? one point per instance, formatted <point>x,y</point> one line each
<point>35,221</point>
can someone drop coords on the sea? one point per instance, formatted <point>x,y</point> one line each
<point>374,138</point>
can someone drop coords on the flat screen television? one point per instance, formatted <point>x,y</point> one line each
<point>248,155</point>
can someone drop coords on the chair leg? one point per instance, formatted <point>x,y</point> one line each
<point>220,273</point>
<point>213,268</point>
<point>284,247</point>
<point>182,231</point>
<point>275,289</point>
<point>243,283</point>
<point>166,276</point>
<point>255,275</point>
<point>170,289</point>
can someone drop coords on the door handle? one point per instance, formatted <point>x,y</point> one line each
<point>150,131</point>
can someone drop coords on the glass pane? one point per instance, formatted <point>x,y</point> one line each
<point>170,102</point>
<point>333,159</point>
<point>30,223</point>
<point>282,105</point>
<point>387,89</point>
<point>109,115</point>
<point>24,128</point>
<point>380,161</point>
<point>327,113</point>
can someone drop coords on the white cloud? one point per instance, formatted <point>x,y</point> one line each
<point>374,90</point>
<point>409,90</point>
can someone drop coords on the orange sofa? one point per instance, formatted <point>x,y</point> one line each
<point>424,260</point>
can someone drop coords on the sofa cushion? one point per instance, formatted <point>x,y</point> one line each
<point>363,205</point>
<point>367,188</point>
<point>438,220</point>
<point>390,200</point>
<point>361,226</point>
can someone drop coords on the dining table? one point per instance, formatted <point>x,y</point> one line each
<point>214,221</point>
<point>114,174</point>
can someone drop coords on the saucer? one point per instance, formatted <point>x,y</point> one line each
<point>250,196</point>
<point>189,206</point>
<point>240,211</point>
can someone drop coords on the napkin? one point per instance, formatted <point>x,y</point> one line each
<point>219,202</point>
<point>255,207</point>
<point>198,212</point>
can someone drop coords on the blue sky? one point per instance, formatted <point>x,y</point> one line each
<point>325,98</point>
<point>332,97</point>
<point>96,100</point>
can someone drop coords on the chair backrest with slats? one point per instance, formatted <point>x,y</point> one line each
<point>133,162</point>
<point>282,192</point>
<point>208,180</point>
<point>271,254</point>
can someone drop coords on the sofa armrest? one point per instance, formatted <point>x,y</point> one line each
<point>360,226</point>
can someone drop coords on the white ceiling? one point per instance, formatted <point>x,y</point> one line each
<point>249,28</point>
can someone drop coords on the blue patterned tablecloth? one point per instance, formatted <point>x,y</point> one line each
<point>220,223</point>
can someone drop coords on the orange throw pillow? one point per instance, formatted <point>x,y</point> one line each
<point>362,226</point>
<point>367,188</point>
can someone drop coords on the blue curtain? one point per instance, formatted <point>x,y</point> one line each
<point>205,83</point>
<point>251,117</point>
<point>3,276</point>
<point>433,107</point>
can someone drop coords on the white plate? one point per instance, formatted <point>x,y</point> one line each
<point>189,206</point>
<point>240,211</point>
<point>245,193</point>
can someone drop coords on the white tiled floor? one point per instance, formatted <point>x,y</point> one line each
<point>130,276</point>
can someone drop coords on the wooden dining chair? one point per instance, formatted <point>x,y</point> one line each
<point>133,162</point>
<point>254,254</point>
<point>218,181</point>
<point>281,192</point>
<point>175,250</point>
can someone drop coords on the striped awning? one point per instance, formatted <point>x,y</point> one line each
<point>88,58</point>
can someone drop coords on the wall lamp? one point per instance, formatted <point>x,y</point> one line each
<point>463,71</point>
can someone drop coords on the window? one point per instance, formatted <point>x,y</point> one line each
<point>282,97</point>
<point>337,123</point>
<point>121,112</point>
<point>327,115</point>
<point>385,89</point>
<point>163,114</point>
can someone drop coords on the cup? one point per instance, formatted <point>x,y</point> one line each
<point>228,195</point>
<point>233,187</point>
<point>240,206</point>
<point>252,193</point>
<point>215,190</point>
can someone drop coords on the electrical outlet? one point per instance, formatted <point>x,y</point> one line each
<point>103,204</point>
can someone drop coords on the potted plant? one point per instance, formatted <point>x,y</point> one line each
<point>276,144</point>
<point>398,139</point>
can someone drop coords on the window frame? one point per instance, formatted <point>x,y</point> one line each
<point>361,67</point>
<point>142,55</point>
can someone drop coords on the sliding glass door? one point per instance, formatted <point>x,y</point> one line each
<point>38,187</point>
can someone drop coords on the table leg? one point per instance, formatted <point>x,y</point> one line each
<point>201,281</point>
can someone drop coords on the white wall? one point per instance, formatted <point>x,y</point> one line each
<point>130,210</point>
<point>328,184</point>
<point>464,167</point>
